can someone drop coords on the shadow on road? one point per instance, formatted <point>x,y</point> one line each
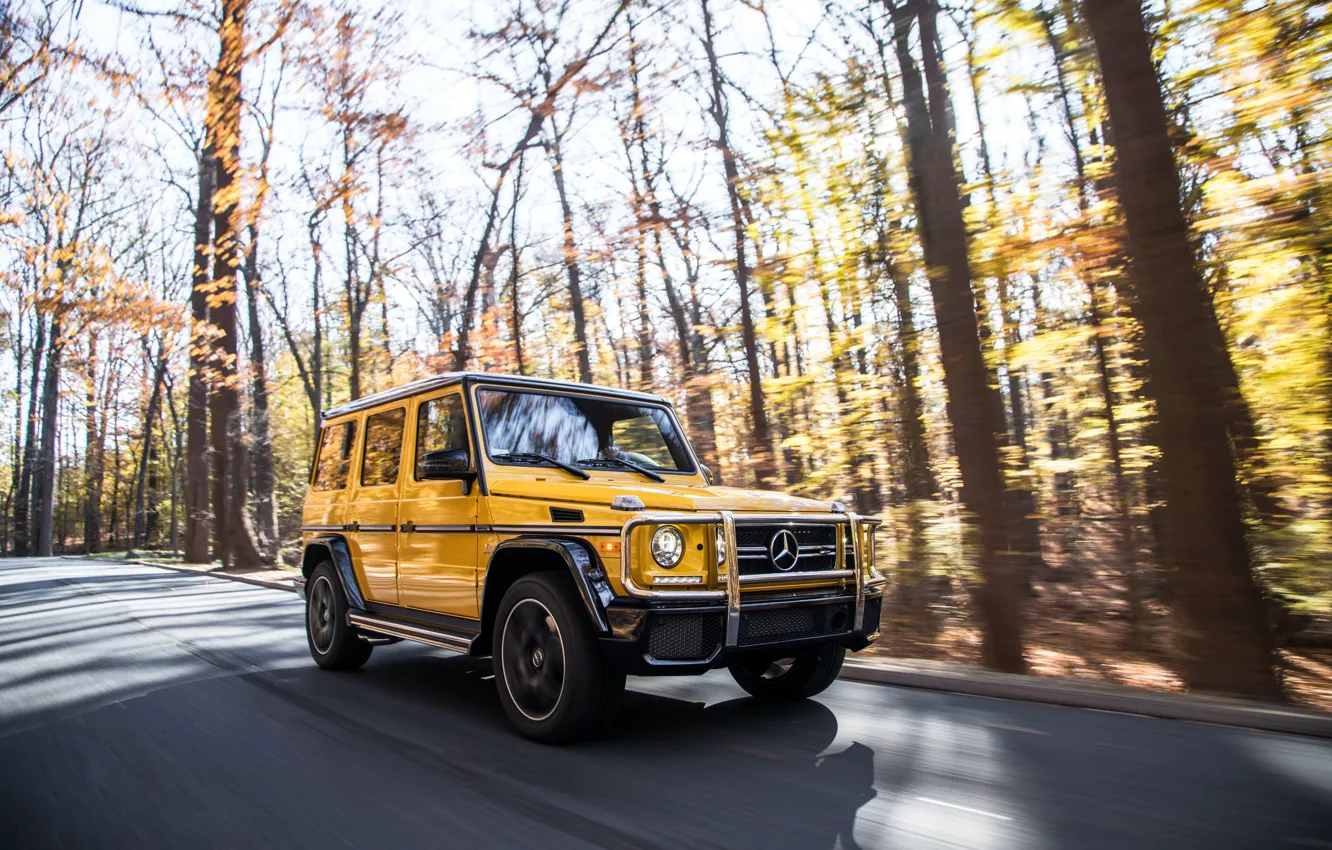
<point>728,773</point>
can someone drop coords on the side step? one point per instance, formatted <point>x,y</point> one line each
<point>433,635</point>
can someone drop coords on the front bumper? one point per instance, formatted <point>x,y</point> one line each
<point>663,632</point>
<point>658,638</point>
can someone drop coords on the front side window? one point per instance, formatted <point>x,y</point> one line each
<point>441,426</point>
<point>580,431</point>
<point>383,447</point>
<point>642,440</point>
<point>335,451</point>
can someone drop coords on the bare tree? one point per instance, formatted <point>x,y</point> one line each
<point>761,445</point>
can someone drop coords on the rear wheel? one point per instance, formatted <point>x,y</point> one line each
<point>334,644</point>
<point>793,678</point>
<point>552,681</point>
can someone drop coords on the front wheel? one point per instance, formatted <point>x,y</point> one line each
<point>786,679</point>
<point>334,644</point>
<point>552,681</point>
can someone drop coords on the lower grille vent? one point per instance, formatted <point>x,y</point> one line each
<point>683,637</point>
<point>773,625</point>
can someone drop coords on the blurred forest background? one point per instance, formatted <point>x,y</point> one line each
<point>1047,284</point>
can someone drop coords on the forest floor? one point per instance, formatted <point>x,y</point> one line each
<point>1097,654</point>
<point>1076,628</point>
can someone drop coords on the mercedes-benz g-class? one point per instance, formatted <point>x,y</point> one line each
<point>570,533</point>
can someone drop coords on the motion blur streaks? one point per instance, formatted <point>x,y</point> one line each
<point>144,708</point>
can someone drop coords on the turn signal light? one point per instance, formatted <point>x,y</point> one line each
<point>610,547</point>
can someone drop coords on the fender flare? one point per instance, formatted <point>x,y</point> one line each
<point>338,552</point>
<point>583,565</point>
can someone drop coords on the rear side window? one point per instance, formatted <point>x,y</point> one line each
<point>383,447</point>
<point>335,448</point>
<point>440,425</point>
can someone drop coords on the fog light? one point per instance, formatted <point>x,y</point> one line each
<point>667,546</point>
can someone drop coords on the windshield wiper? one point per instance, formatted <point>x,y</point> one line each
<point>627,464</point>
<point>558,464</point>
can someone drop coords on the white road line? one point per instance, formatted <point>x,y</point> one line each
<point>1008,728</point>
<point>963,808</point>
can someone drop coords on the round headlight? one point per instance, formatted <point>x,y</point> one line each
<point>667,546</point>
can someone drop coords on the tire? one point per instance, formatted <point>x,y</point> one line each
<point>806,675</point>
<point>334,644</point>
<point>552,680</point>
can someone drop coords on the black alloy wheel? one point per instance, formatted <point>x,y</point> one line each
<point>549,671</point>
<point>533,659</point>
<point>334,644</point>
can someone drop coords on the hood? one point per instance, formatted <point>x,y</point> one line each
<point>660,497</point>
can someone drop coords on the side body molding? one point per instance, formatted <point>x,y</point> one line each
<point>584,567</point>
<point>338,552</point>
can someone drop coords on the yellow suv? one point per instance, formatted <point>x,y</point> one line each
<point>569,532</point>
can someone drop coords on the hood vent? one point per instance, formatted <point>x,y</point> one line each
<point>566,515</point>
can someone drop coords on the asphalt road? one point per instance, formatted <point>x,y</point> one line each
<point>147,708</point>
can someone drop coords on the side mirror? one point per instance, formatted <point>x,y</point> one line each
<point>446,465</point>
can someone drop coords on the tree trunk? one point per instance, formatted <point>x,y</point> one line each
<point>761,448</point>
<point>1226,641</point>
<point>354,315</point>
<point>315,385</point>
<point>45,470</point>
<point>917,476</point>
<point>918,484</point>
<point>515,298</point>
<point>971,402</point>
<point>16,449</point>
<point>145,456</point>
<point>177,454</point>
<point>92,513</point>
<point>571,270</point>
<point>700,412</point>
<point>23,501</point>
<point>462,354</point>
<point>634,135</point>
<point>265,480</point>
<point>233,536</point>
<point>196,411</point>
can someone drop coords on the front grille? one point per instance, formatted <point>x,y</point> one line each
<point>872,608</point>
<point>822,534</point>
<point>818,547</point>
<point>683,637</point>
<point>775,625</point>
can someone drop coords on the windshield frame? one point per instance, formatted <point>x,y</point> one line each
<point>695,466</point>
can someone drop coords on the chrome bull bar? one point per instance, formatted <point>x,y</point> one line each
<point>731,562</point>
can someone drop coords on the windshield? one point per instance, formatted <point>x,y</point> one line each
<point>581,431</point>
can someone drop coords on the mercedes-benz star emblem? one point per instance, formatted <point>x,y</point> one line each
<point>783,550</point>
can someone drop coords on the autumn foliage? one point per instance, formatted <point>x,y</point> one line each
<point>1047,284</point>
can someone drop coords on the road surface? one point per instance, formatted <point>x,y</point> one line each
<point>148,708</point>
